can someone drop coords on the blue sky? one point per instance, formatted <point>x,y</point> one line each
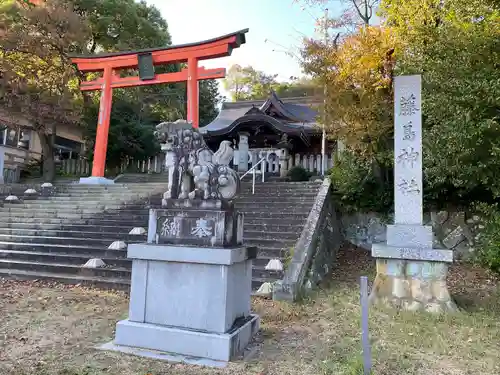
<point>281,22</point>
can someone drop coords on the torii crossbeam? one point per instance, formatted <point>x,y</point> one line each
<point>145,61</point>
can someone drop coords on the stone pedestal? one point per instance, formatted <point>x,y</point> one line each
<point>189,301</point>
<point>243,152</point>
<point>412,285</point>
<point>283,160</point>
<point>191,286</point>
<point>410,273</point>
<point>2,163</point>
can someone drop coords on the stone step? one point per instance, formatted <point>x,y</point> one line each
<point>69,241</point>
<point>271,226</point>
<point>80,205</point>
<point>76,193</point>
<point>88,232</point>
<point>104,278</point>
<point>258,281</point>
<point>99,282</point>
<point>74,259</point>
<point>276,199</point>
<point>64,226</point>
<point>91,251</point>
<point>64,268</point>
<point>116,186</point>
<point>142,217</point>
<point>259,272</point>
<point>83,197</point>
<point>155,195</point>
<point>124,222</point>
<point>88,252</point>
<point>248,233</point>
<point>83,230</point>
<point>261,261</point>
<point>78,258</point>
<point>6,240</point>
<point>116,221</point>
<point>109,270</point>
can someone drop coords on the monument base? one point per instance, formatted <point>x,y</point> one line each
<point>414,285</point>
<point>188,302</point>
<point>184,345</point>
<point>96,181</point>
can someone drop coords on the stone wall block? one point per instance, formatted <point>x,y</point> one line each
<point>434,307</point>
<point>413,269</point>
<point>412,305</point>
<point>395,267</point>
<point>454,237</point>
<point>440,291</point>
<point>382,266</point>
<point>438,218</point>
<point>400,288</point>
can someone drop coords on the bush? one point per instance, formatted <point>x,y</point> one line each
<point>357,188</point>
<point>487,246</point>
<point>298,173</point>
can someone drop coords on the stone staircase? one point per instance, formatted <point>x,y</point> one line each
<point>53,236</point>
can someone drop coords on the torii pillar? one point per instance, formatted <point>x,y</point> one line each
<point>145,61</point>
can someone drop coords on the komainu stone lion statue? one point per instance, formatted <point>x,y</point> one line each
<point>194,171</point>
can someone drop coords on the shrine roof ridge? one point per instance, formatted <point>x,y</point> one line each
<point>240,39</point>
<point>301,100</point>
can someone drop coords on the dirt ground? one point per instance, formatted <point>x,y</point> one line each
<point>52,330</point>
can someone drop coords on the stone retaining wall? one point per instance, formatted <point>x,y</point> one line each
<point>452,230</point>
<point>315,250</point>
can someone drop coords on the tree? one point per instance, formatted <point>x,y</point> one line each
<point>37,78</point>
<point>209,98</point>
<point>455,45</point>
<point>354,13</point>
<point>39,82</point>
<point>246,83</point>
<point>298,87</point>
<point>358,75</point>
<point>131,132</point>
<point>121,25</point>
<point>250,84</point>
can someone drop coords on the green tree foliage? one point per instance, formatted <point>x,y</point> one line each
<point>247,83</point>
<point>120,25</point>
<point>131,132</point>
<point>455,45</point>
<point>209,98</point>
<point>40,84</point>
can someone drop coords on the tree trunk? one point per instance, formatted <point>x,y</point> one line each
<point>49,167</point>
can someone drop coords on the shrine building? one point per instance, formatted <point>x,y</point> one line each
<point>283,131</point>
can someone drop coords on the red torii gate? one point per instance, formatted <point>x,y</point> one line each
<point>145,60</point>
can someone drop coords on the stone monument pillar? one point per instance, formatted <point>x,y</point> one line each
<point>243,152</point>
<point>2,163</point>
<point>191,281</point>
<point>410,273</point>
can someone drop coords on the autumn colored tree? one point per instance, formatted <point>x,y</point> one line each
<point>455,45</point>
<point>40,84</point>
<point>38,81</point>
<point>358,76</point>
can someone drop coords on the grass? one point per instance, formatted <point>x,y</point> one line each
<point>49,329</point>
